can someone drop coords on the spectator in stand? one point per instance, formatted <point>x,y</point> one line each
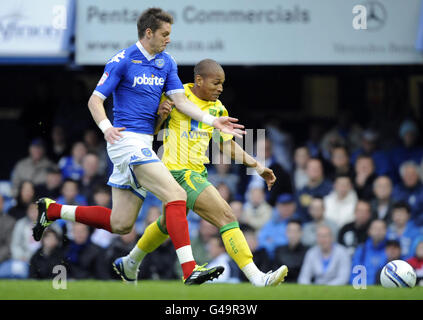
<point>260,256</point>
<point>71,166</point>
<point>326,263</point>
<point>355,233</point>
<point>103,198</point>
<point>161,263</point>
<point>91,177</point>
<point>315,133</point>
<point>22,246</point>
<point>219,257</point>
<point>224,191</point>
<point>96,145</point>
<point>256,210</point>
<point>150,201</point>
<point>273,233</point>
<point>221,173</point>
<point>237,209</point>
<point>118,247</point>
<point>408,150</point>
<point>317,186</point>
<point>340,163</point>
<point>345,132</point>
<point>26,195</point>
<point>316,211</point>
<point>393,252</point>
<point>372,254</point>
<point>301,157</point>
<point>70,194</point>
<point>84,260</point>
<point>382,202</point>
<point>291,254</point>
<point>340,203</point>
<point>6,228</point>
<point>205,232</point>
<point>402,228</point>
<point>282,143</point>
<point>52,187</point>
<point>410,190</point>
<point>416,261</point>
<point>283,183</point>
<point>370,148</point>
<point>59,147</point>
<point>47,257</point>
<point>330,140</point>
<point>32,168</point>
<point>364,176</point>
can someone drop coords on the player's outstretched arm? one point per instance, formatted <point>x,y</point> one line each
<point>96,106</point>
<point>234,150</point>
<point>225,124</point>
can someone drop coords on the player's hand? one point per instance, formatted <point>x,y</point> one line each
<point>267,174</point>
<point>165,108</point>
<point>113,134</point>
<point>228,125</point>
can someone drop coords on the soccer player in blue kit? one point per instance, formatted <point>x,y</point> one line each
<point>137,77</point>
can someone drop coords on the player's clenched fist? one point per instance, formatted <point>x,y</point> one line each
<point>113,134</point>
<point>165,108</point>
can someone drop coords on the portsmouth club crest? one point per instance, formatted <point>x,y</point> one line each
<point>146,152</point>
<point>159,63</point>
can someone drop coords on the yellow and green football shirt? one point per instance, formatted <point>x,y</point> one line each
<point>186,140</point>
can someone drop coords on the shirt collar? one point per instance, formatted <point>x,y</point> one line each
<point>145,52</point>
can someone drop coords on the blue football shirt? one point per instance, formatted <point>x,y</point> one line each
<point>137,81</point>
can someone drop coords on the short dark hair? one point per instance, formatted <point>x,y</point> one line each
<point>343,175</point>
<point>393,243</point>
<point>401,205</point>
<point>152,18</point>
<point>295,221</point>
<point>364,156</point>
<point>204,67</point>
<point>101,188</point>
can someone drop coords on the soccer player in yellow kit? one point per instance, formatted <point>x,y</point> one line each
<point>185,143</point>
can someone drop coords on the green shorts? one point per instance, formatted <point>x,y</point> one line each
<point>192,182</point>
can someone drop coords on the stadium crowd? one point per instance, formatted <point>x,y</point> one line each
<point>341,199</point>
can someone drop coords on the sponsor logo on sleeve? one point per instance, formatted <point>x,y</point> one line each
<point>103,78</point>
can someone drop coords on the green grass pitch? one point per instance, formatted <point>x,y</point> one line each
<point>174,290</point>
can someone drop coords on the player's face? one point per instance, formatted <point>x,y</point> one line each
<point>161,38</point>
<point>211,86</point>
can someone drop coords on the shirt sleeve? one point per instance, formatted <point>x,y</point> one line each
<point>113,73</point>
<point>173,83</point>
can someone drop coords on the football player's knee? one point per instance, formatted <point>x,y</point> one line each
<point>120,226</point>
<point>177,193</point>
<point>227,215</point>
